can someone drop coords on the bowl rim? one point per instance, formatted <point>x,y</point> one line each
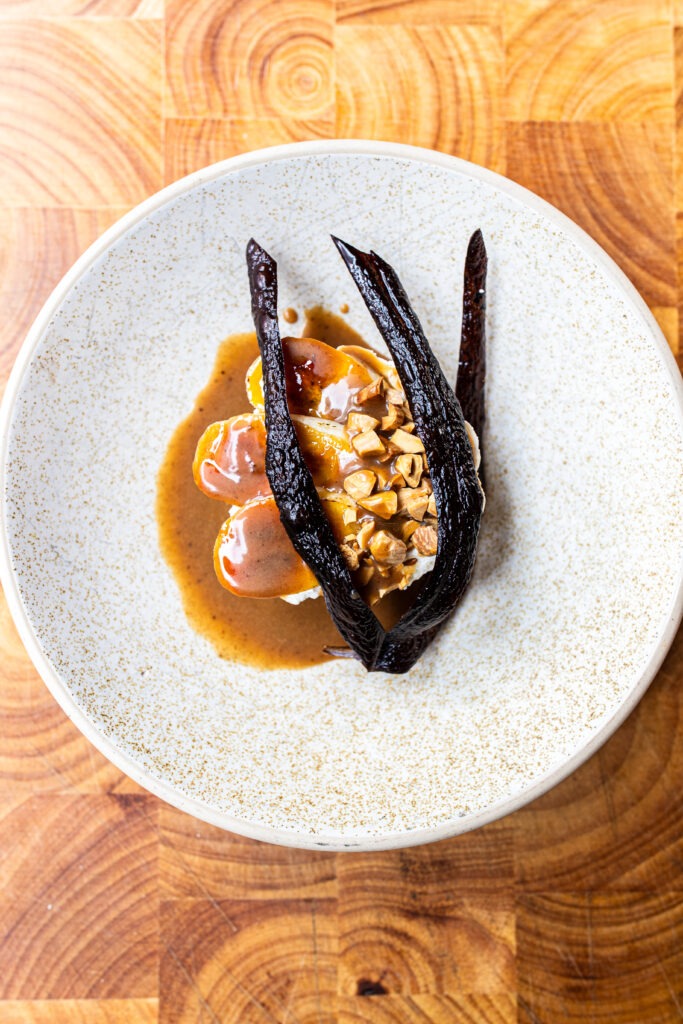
<point>333,841</point>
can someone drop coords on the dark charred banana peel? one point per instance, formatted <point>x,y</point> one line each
<point>440,425</point>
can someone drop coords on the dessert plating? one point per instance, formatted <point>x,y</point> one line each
<point>361,469</point>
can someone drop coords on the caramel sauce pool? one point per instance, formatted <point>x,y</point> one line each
<point>268,633</point>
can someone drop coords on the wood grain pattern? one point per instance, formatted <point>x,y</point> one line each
<point>199,861</point>
<point>193,142</point>
<point>616,824</point>
<point>390,77</point>
<point>12,9</point>
<point>576,61</point>
<point>249,58</point>
<point>427,1009</point>
<point>88,864</point>
<point>115,909</point>
<point>419,12</point>
<point>80,110</point>
<point>616,181</point>
<point>81,1011</point>
<point>248,961</point>
<point>621,954</point>
<point>464,944</point>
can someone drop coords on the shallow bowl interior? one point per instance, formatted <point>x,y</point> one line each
<point>577,589</point>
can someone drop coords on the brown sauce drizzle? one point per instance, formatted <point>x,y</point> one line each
<point>290,315</point>
<point>268,633</point>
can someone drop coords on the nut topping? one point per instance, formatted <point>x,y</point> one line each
<point>406,495</point>
<point>370,391</point>
<point>425,540</point>
<point>406,442</point>
<point>387,549</point>
<point>410,466</point>
<point>384,504</point>
<point>417,505</point>
<point>408,529</point>
<point>365,533</point>
<point>360,484</point>
<point>368,443</point>
<point>358,422</point>
<point>396,480</point>
<point>350,556</point>
<point>394,418</point>
<point>407,572</point>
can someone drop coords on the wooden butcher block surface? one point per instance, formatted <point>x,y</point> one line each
<point>117,909</point>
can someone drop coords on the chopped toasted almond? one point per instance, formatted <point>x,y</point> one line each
<point>350,556</point>
<point>368,443</point>
<point>431,505</point>
<point>395,396</point>
<point>360,484</point>
<point>417,505</point>
<point>406,442</point>
<point>394,418</point>
<point>407,571</point>
<point>364,575</point>
<point>365,533</point>
<point>425,540</point>
<point>370,391</point>
<point>408,494</point>
<point>358,422</point>
<point>408,529</point>
<point>349,515</point>
<point>387,549</point>
<point>404,494</point>
<point>410,466</point>
<point>391,447</point>
<point>383,504</point>
<point>393,378</point>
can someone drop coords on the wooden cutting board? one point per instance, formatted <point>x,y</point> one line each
<point>115,909</point>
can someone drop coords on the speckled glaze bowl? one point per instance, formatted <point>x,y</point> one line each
<point>577,589</point>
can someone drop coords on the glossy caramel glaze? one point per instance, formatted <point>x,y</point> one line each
<point>230,462</point>
<point>268,633</point>
<point>263,632</point>
<point>255,557</point>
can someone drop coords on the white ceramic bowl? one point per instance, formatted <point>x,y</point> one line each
<point>577,590</point>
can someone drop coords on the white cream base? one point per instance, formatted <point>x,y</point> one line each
<point>425,564</point>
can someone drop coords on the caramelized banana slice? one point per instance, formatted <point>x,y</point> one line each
<point>254,557</point>
<point>229,463</point>
<point>373,362</point>
<point>321,380</point>
<point>327,450</point>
